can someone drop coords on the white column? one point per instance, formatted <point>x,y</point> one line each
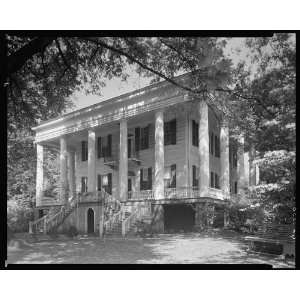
<point>123,170</point>
<point>224,159</point>
<point>241,167</point>
<point>252,166</point>
<point>91,161</point>
<point>203,149</point>
<point>63,171</point>
<point>39,174</point>
<point>159,156</point>
<point>186,169</point>
<point>71,173</point>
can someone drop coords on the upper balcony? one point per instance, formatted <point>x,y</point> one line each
<point>179,194</point>
<point>113,160</point>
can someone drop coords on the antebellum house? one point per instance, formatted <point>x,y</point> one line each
<point>156,154</point>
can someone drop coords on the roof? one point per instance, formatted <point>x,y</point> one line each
<point>103,103</point>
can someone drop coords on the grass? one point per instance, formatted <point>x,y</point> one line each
<point>192,248</point>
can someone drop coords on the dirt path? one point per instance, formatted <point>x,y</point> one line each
<point>164,249</point>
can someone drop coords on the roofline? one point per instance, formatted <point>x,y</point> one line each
<point>69,115</point>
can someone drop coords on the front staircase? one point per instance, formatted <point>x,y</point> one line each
<point>119,219</point>
<point>124,222</point>
<point>50,222</point>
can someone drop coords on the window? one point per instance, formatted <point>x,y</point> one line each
<point>145,137</point>
<point>84,150</point>
<point>195,177</point>
<point>105,183</point>
<point>234,158</point>
<point>170,132</point>
<point>104,146</point>
<point>142,138</point>
<point>217,184</point>
<point>195,133</point>
<point>129,184</point>
<point>214,180</point>
<point>146,179</point>
<point>84,184</point>
<point>170,176</point>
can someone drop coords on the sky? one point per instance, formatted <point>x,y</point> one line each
<point>115,87</point>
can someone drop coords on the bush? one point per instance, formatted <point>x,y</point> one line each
<point>72,231</point>
<point>10,234</point>
<point>144,229</point>
<point>19,213</point>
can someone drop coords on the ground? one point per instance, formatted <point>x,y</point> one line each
<point>188,248</point>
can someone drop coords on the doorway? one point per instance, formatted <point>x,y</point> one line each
<point>178,217</point>
<point>90,221</point>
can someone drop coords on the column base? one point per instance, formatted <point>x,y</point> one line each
<point>157,218</point>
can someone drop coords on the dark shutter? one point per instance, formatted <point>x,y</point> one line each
<point>194,133</point>
<point>211,179</point>
<point>216,146</point>
<point>194,176</point>
<point>141,179</point>
<point>173,132</point>
<point>137,139</point>
<point>99,182</point>
<point>83,151</point>
<point>109,144</point>
<point>212,143</point>
<point>109,189</point>
<point>99,147</point>
<point>146,137</point>
<point>150,178</point>
<point>216,181</point>
<point>173,183</point>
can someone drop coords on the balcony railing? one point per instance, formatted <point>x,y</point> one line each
<point>177,193</point>
<point>141,195</point>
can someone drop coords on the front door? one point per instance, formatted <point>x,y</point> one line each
<point>90,221</point>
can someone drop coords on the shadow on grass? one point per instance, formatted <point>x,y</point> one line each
<point>203,248</point>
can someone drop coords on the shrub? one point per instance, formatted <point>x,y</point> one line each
<point>72,231</point>
<point>10,234</point>
<point>19,213</point>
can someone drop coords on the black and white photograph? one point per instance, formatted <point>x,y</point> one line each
<point>160,149</point>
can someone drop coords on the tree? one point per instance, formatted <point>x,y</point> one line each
<point>42,72</point>
<point>272,131</point>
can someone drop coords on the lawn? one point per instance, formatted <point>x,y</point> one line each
<point>192,248</point>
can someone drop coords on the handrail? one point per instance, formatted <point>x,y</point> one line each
<point>117,217</point>
<point>38,225</point>
<point>138,212</point>
<point>45,223</point>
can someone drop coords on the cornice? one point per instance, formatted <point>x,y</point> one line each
<point>126,112</point>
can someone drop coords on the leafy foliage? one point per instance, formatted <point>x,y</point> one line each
<point>45,71</point>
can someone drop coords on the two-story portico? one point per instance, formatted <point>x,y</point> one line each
<point>156,147</point>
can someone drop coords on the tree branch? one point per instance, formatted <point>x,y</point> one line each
<point>16,60</point>
<point>133,59</point>
<point>62,56</point>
